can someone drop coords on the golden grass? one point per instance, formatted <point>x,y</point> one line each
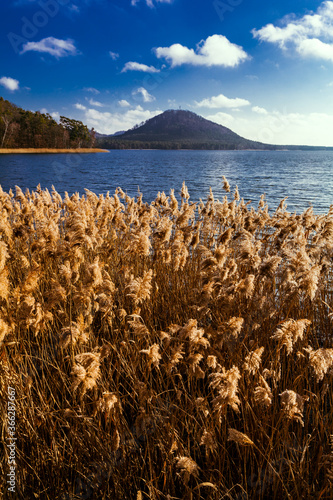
<point>171,350</point>
<point>51,151</point>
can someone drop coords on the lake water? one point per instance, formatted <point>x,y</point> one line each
<point>306,177</point>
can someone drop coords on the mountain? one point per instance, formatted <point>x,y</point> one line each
<point>180,129</point>
<point>121,132</point>
<point>101,136</point>
<point>184,126</point>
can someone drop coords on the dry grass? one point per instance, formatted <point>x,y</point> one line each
<point>166,351</point>
<point>51,151</point>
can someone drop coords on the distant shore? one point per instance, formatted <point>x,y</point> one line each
<point>51,151</point>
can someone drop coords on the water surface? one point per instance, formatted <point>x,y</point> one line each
<point>306,177</point>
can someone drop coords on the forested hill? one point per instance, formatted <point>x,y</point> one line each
<point>180,129</point>
<point>26,129</point>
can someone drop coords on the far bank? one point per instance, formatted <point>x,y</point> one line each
<point>51,151</point>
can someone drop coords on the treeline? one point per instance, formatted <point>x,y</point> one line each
<point>26,129</point>
<point>110,143</point>
<point>117,143</point>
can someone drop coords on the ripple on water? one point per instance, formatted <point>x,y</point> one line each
<point>306,177</point>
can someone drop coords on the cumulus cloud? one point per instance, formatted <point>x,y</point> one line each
<point>113,55</point>
<point>53,46</point>
<point>80,106</point>
<point>123,103</point>
<point>134,66</point>
<point>221,118</point>
<point>216,50</point>
<point>221,101</point>
<point>281,127</point>
<point>310,35</point>
<point>145,94</point>
<point>9,83</point>
<point>109,123</point>
<point>95,103</point>
<point>259,110</point>
<point>316,48</point>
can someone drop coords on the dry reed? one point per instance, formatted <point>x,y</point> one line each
<point>148,344</point>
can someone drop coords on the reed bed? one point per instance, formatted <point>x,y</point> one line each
<point>50,150</point>
<point>171,350</point>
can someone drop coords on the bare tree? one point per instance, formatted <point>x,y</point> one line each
<point>6,121</point>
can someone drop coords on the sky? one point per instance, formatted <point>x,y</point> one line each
<point>263,69</point>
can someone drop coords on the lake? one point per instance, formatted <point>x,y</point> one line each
<point>306,177</point>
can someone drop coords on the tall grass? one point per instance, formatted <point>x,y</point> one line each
<point>50,150</point>
<point>166,351</point>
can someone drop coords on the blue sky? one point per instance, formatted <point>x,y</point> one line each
<point>263,69</point>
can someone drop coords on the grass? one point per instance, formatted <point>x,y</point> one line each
<point>165,351</point>
<point>50,150</point>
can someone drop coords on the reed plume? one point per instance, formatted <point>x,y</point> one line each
<point>148,344</point>
<point>239,437</point>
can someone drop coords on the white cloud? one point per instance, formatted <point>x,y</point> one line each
<point>221,118</point>
<point>113,55</point>
<point>310,35</point>
<point>123,103</point>
<point>134,66</point>
<point>221,101</point>
<point>280,127</point>
<point>52,46</point>
<point>95,103</point>
<point>43,111</point>
<point>145,94</point>
<point>150,3</point>
<point>9,83</point>
<point>216,50</point>
<point>80,106</point>
<point>92,90</point>
<point>259,110</point>
<point>316,48</point>
<point>109,123</point>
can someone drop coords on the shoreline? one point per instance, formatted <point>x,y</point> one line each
<point>51,151</point>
